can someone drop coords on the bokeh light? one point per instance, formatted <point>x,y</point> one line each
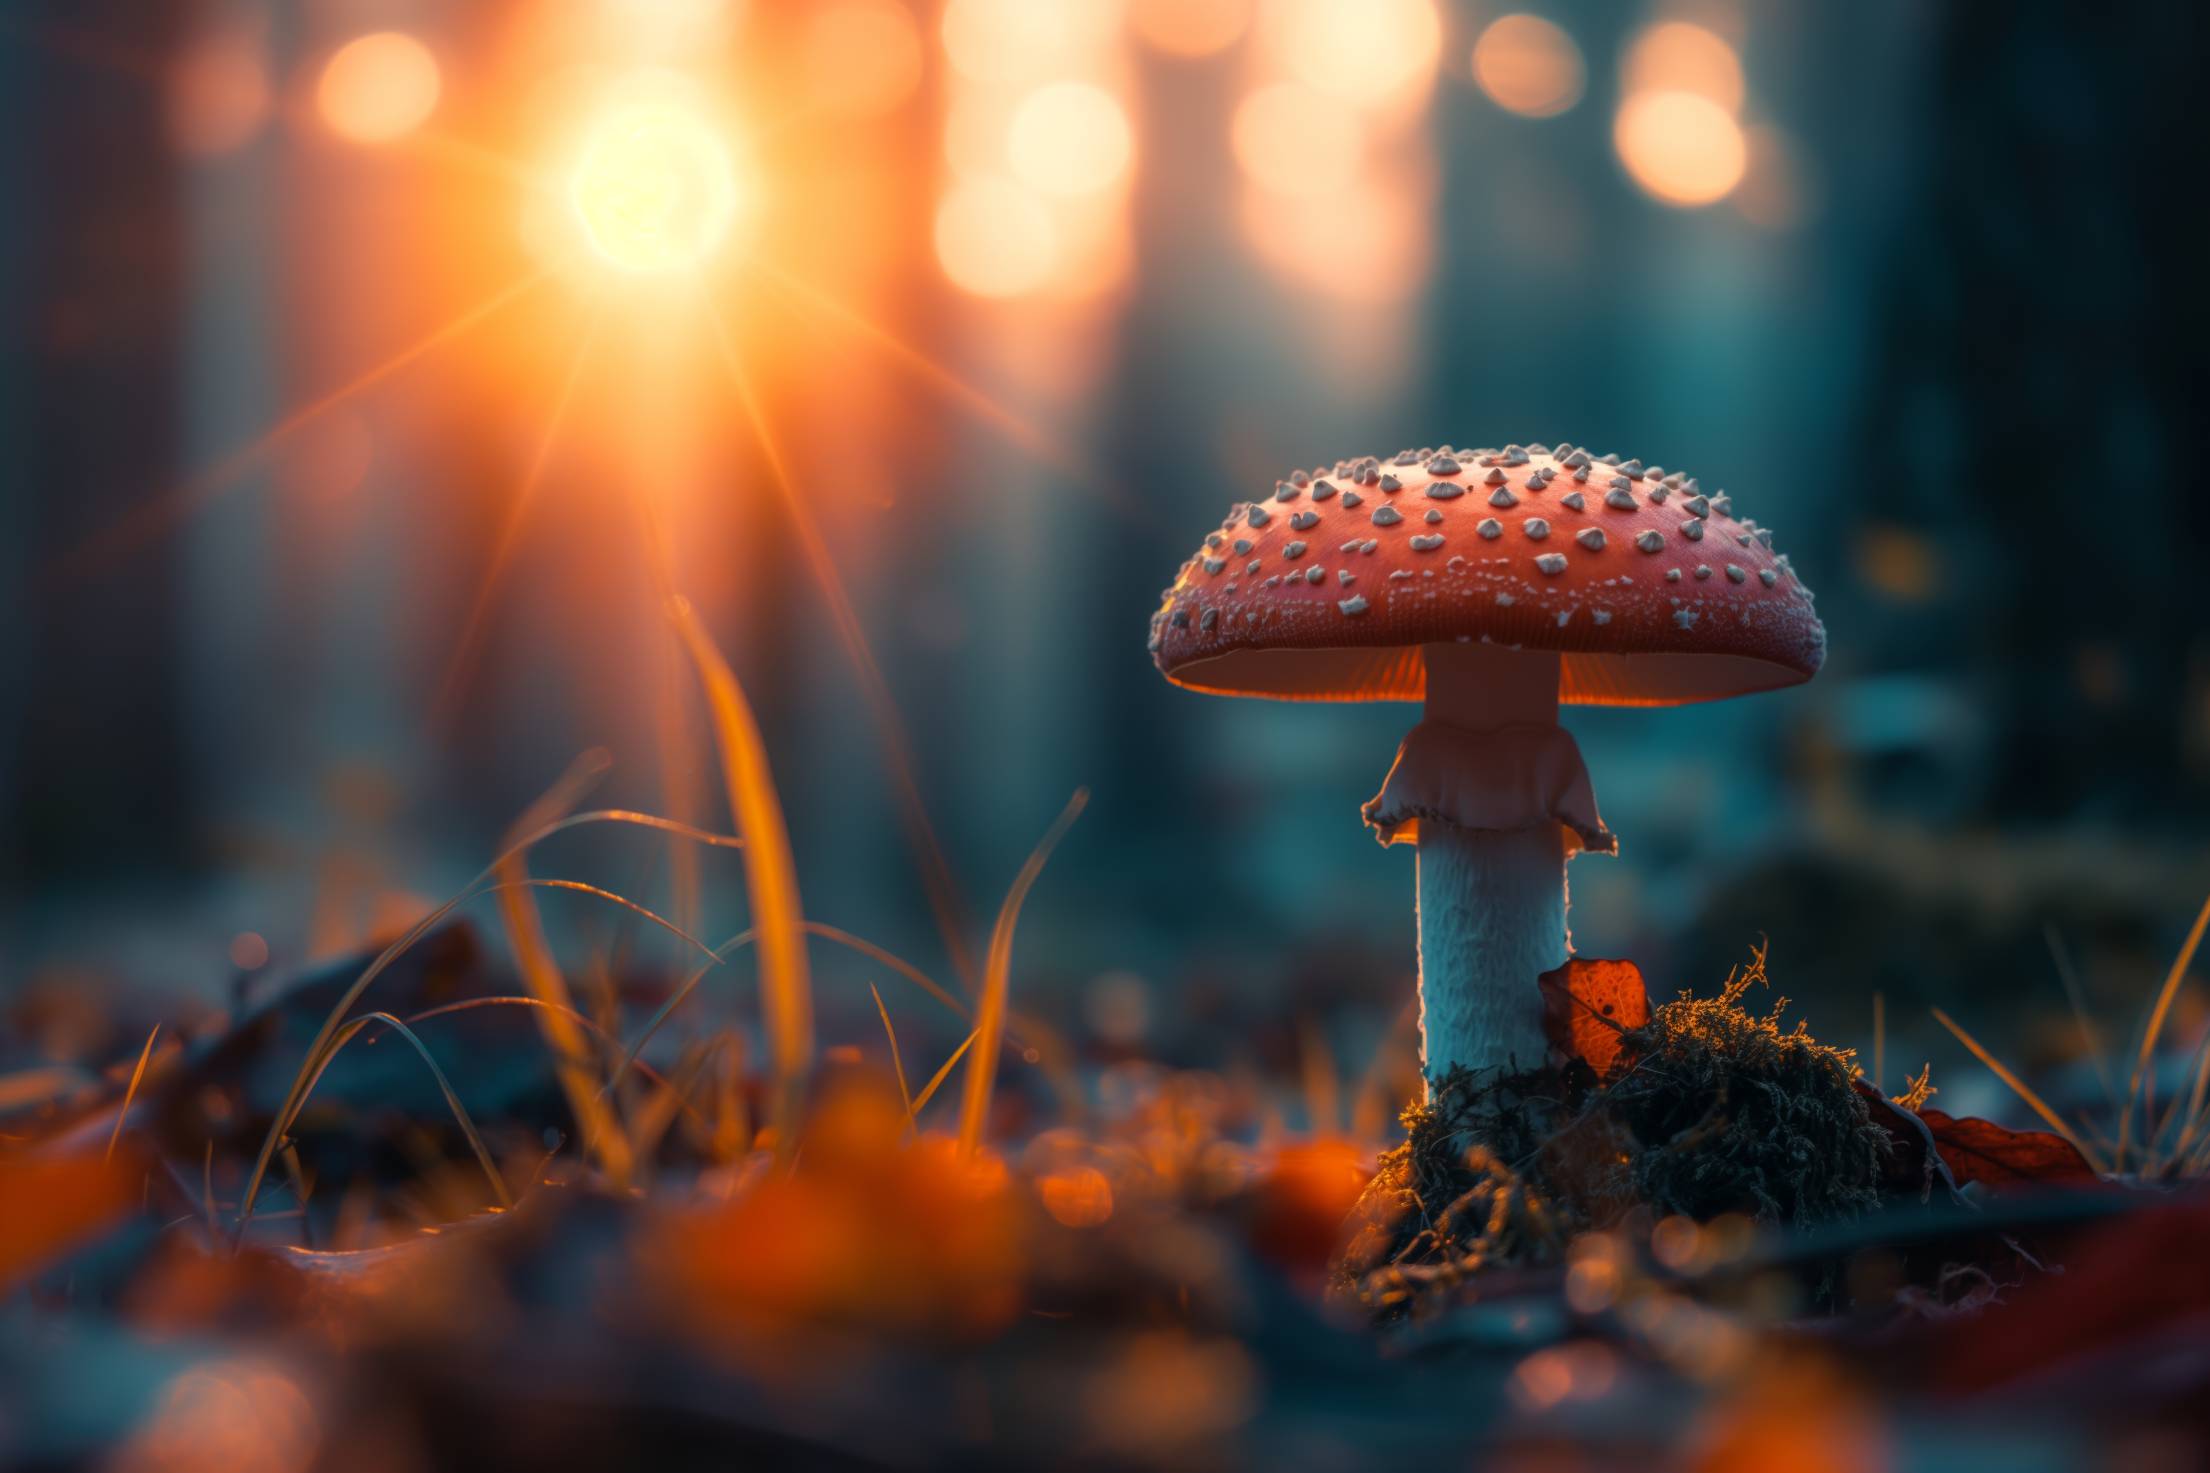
<point>655,188</point>
<point>218,95</point>
<point>1779,190</point>
<point>1380,260</point>
<point>861,58</point>
<point>1678,56</point>
<point>1069,138</point>
<point>1367,51</point>
<point>1017,40</point>
<point>1683,148</point>
<point>1297,142</point>
<point>1190,27</point>
<point>1528,66</point>
<point>995,239</point>
<point>378,87</point>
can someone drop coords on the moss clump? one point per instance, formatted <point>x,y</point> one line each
<point>1731,1113</point>
<point>1709,1109</point>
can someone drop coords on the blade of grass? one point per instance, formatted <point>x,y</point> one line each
<point>936,1080</point>
<point>2075,994</point>
<point>2019,1087</point>
<point>786,987</point>
<point>405,942</point>
<point>612,1044</point>
<point>603,1137</point>
<point>353,1029</point>
<point>897,1061</point>
<point>997,976</point>
<point>743,939</point>
<point>671,1099</point>
<point>2142,1087</point>
<point>130,1093</point>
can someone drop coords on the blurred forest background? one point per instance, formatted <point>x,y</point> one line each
<point>1919,283</point>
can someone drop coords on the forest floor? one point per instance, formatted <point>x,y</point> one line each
<point>1695,1239</point>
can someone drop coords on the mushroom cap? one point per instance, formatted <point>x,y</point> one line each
<point>1650,589</point>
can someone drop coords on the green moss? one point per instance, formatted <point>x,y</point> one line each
<point>1713,1109</point>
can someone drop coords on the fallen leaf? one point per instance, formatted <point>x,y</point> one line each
<point>1587,1004</point>
<point>1982,1151</point>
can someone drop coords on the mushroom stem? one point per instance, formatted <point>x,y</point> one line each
<point>1492,903</point>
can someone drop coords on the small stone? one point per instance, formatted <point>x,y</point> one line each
<point>1619,499</point>
<point>1490,528</point>
<point>1736,575</point>
<point>1434,515</point>
<point>1287,492</point>
<point>1445,490</point>
<point>1352,498</point>
<point>1427,542</point>
<point>1355,604</point>
<point>1209,618</point>
<point>1260,516</point>
<point>1551,563</point>
<point>1703,571</point>
<point>1303,520</point>
<point>1322,490</point>
<point>1391,483</point>
<point>1387,516</point>
<point>1693,531</point>
<point>1216,564</point>
<point>1442,465</point>
<point>1243,547</point>
<point>1293,550</point>
<point>1686,618</point>
<point>1345,577</point>
<point>1315,573</point>
<point>1591,538</point>
<point>1493,478</point>
<point>1502,496</point>
<point>1651,541</point>
<point>1573,501</point>
<point>1767,577</point>
<point>1535,528</point>
<point>1672,575</point>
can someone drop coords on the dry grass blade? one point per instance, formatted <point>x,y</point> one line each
<point>603,1136</point>
<point>327,1033</point>
<point>2141,1089</point>
<point>2075,994</point>
<point>786,986</point>
<point>997,976</point>
<point>743,939</point>
<point>936,875</point>
<point>897,1060</point>
<point>611,1044</point>
<point>936,1080</point>
<point>2019,1087</point>
<point>353,1029</point>
<point>130,1093</point>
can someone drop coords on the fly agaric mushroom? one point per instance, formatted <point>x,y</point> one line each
<point>1493,585</point>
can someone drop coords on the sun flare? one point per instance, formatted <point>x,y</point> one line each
<point>655,189</point>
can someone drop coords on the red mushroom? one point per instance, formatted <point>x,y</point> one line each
<point>1492,585</point>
